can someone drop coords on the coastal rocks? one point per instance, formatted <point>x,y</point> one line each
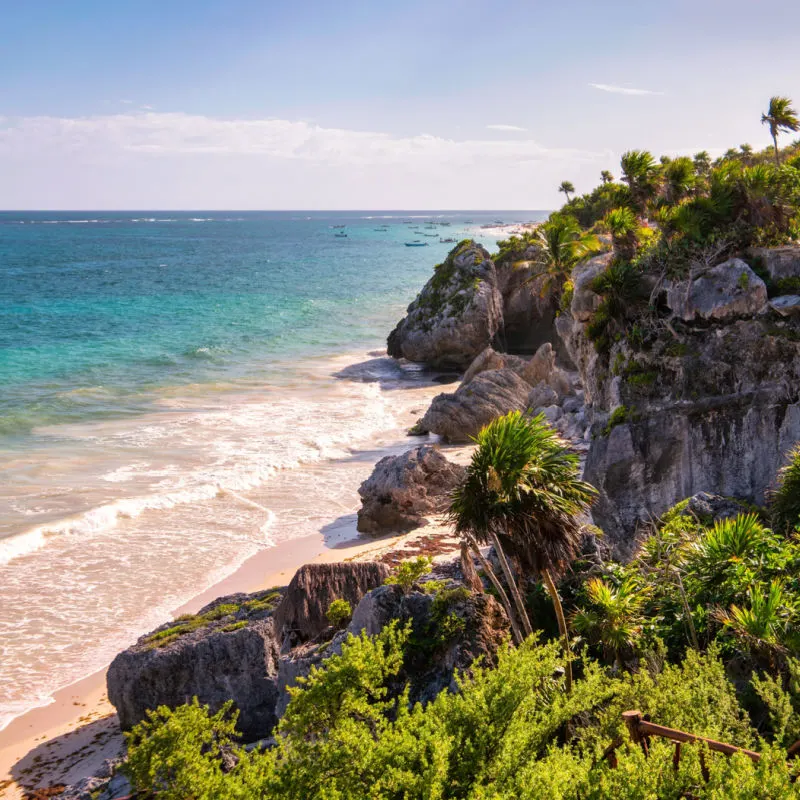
<point>779,263</point>
<point>301,615</point>
<point>724,292</point>
<point>403,489</point>
<point>490,359</point>
<point>455,316</point>
<point>786,305</point>
<point>220,661</point>
<point>710,508</point>
<point>459,416</point>
<point>585,301</point>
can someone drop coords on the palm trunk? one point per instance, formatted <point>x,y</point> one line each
<point>562,626</point>
<point>512,584</point>
<point>468,569</point>
<point>777,154</point>
<point>688,612</point>
<point>487,568</point>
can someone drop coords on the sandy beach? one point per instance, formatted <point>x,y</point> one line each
<point>73,736</point>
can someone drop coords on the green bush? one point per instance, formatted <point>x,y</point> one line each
<point>407,573</point>
<point>339,613</point>
<point>785,501</point>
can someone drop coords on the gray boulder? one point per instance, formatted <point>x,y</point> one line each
<point>301,615</point>
<point>490,359</point>
<point>459,416</point>
<point>722,293</point>
<point>584,301</point>
<point>455,316</point>
<point>403,489</point>
<point>786,305</point>
<point>234,657</point>
<point>780,263</point>
<point>542,396</point>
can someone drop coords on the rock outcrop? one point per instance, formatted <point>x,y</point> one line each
<point>455,316</point>
<point>230,657</point>
<point>403,489</point>
<point>709,401</point>
<point>301,615</point>
<point>459,416</point>
<point>779,263</point>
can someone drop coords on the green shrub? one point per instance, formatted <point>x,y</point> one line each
<point>407,573</point>
<point>785,501</point>
<point>339,613</point>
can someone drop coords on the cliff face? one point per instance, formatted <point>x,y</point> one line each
<point>708,400</point>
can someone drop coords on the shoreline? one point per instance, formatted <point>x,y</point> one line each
<point>70,738</point>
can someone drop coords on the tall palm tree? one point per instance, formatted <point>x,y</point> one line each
<point>702,163</point>
<point>561,243</point>
<point>780,116</point>
<point>747,153</point>
<point>522,493</point>
<point>640,171</point>
<point>567,188</point>
<point>606,176</point>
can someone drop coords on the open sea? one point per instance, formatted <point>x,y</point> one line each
<point>169,407</point>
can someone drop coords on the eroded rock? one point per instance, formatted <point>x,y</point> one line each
<point>403,489</point>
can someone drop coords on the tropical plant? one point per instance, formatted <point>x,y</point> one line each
<point>640,171</point>
<point>622,224</point>
<point>408,572</point>
<point>561,244</point>
<point>606,176</point>
<point>339,613</point>
<point>702,163</point>
<point>567,188</point>
<point>613,616</point>
<point>522,493</point>
<point>679,179</point>
<point>784,503</point>
<point>780,116</point>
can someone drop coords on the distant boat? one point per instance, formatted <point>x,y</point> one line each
<point>340,235</point>
<point>446,241</point>
<point>434,235</point>
<point>416,244</point>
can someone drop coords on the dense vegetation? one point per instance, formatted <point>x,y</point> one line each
<point>699,630</point>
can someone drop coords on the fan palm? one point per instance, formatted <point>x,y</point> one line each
<point>780,116</point>
<point>785,500</point>
<point>679,179</point>
<point>614,617</point>
<point>622,224</point>
<point>640,171</point>
<point>561,244</point>
<point>522,493</point>
<point>606,176</point>
<point>702,163</point>
<point>567,188</point>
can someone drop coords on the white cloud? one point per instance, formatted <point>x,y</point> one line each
<point>155,133</point>
<point>606,87</point>
<point>505,128</point>
<point>146,108</point>
<point>126,102</point>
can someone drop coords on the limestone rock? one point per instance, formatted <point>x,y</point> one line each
<point>780,263</point>
<point>459,416</point>
<point>403,489</point>
<point>301,614</point>
<point>724,292</point>
<point>542,396</point>
<point>786,305</point>
<point>584,301</point>
<point>215,663</point>
<point>709,508</point>
<point>455,316</point>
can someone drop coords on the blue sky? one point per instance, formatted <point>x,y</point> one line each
<point>439,104</point>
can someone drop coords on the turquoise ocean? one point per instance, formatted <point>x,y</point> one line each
<point>169,406</point>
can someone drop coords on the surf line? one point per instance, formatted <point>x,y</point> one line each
<point>252,503</point>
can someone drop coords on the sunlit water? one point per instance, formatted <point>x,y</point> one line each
<point>168,408</point>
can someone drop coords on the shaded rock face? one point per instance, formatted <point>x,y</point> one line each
<point>786,305</point>
<point>301,614</point>
<point>709,508</point>
<point>584,301</point>
<point>711,403</point>
<point>211,664</point>
<point>433,662</point>
<point>455,316</point>
<point>403,489</point>
<point>780,263</point>
<point>459,416</point>
<point>725,292</point>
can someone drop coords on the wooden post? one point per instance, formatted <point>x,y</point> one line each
<point>633,720</point>
<point>676,759</point>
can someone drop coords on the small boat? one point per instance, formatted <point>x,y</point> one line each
<point>335,227</point>
<point>340,235</point>
<point>434,235</point>
<point>416,244</point>
<point>446,241</point>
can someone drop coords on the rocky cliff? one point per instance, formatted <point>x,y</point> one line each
<point>703,397</point>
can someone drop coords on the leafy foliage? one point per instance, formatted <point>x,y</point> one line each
<point>785,501</point>
<point>408,572</point>
<point>339,613</point>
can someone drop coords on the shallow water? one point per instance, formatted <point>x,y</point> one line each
<point>168,407</point>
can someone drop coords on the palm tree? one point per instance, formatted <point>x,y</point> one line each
<point>780,116</point>
<point>561,244</point>
<point>640,172</point>
<point>702,163</point>
<point>747,153</point>
<point>679,179</point>
<point>567,188</point>
<point>522,493</point>
<point>614,617</point>
<point>622,224</point>
<point>784,505</point>
<point>606,176</point>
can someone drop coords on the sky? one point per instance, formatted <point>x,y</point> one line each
<point>368,104</point>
